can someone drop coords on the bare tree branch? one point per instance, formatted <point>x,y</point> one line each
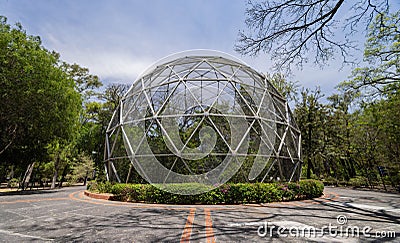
<point>13,133</point>
<point>291,31</point>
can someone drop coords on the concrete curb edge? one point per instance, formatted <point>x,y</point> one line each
<point>102,196</point>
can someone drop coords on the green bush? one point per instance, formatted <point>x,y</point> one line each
<point>14,182</point>
<point>100,187</point>
<point>227,193</point>
<point>359,181</point>
<point>330,181</point>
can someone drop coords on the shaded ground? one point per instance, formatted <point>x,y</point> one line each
<point>67,215</point>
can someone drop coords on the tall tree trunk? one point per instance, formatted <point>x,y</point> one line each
<point>352,169</point>
<point>64,173</point>
<point>309,144</point>
<point>10,176</point>
<point>55,175</point>
<point>346,169</point>
<point>53,183</point>
<point>13,136</point>
<point>310,167</point>
<point>27,176</point>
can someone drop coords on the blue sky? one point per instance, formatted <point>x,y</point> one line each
<point>118,39</point>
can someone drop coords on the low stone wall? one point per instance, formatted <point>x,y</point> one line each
<point>103,196</point>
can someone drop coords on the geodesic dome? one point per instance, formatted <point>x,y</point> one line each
<point>202,117</point>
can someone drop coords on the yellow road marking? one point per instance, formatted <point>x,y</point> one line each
<point>187,231</point>
<point>209,229</point>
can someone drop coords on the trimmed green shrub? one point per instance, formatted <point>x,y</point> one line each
<point>100,187</point>
<point>330,181</point>
<point>359,181</point>
<point>225,194</point>
<point>14,182</point>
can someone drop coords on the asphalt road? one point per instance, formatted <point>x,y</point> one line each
<point>66,215</point>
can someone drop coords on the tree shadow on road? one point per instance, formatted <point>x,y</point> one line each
<point>104,223</point>
<point>28,192</point>
<point>242,224</point>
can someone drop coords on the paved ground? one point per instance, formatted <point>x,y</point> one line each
<point>67,215</point>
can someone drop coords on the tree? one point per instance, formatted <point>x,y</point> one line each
<point>82,168</point>
<point>310,116</point>
<point>110,98</point>
<point>376,138</point>
<point>87,85</point>
<point>338,149</point>
<point>288,30</point>
<point>85,82</point>
<point>287,89</point>
<point>59,153</point>
<point>39,104</point>
<point>38,101</point>
<point>382,55</point>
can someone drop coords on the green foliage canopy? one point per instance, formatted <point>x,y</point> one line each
<point>38,100</point>
<point>382,56</point>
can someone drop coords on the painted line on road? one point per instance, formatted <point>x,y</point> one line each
<point>287,224</point>
<point>209,229</point>
<point>187,231</point>
<point>332,196</point>
<point>364,206</point>
<point>34,200</point>
<point>281,204</point>
<point>79,196</point>
<point>24,236</point>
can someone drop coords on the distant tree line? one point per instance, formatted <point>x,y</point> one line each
<point>355,136</point>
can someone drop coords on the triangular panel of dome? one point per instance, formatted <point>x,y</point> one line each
<point>245,77</point>
<point>129,103</point>
<point>166,75</point>
<point>134,134</point>
<point>243,98</point>
<point>115,120</point>
<point>113,139</point>
<point>280,110</point>
<point>181,100</point>
<point>226,69</point>
<point>268,134</point>
<point>291,120</point>
<point>202,74</point>
<point>207,91</point>
<point>227,101</point>
<point>202,71</point>
<point>293,143</point>
<point>138,110</point>
<point>160,95</point>
<point>183,68</point>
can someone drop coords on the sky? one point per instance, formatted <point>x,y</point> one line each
<point>119,39</point>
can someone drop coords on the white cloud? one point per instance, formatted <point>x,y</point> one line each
<point>112,66</point>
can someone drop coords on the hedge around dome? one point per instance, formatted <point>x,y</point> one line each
<point>229,193</point>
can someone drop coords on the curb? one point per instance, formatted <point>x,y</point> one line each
<point>103,196</point>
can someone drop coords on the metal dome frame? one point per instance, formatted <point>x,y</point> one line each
<point>205,92</point>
